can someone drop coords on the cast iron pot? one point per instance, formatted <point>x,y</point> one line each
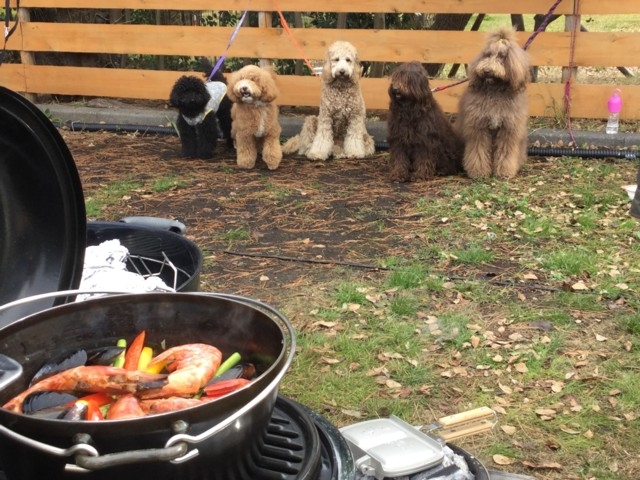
<point>208,441</point>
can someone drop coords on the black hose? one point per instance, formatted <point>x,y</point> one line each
<point>581,152</point>
<point>563,152</point>
<point>113,127</point>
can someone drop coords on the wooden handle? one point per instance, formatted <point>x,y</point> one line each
<point>473,429</point>
<point>474,415</point>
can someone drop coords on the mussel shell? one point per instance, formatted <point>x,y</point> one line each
<point>77,412</point>
<point>242,370</point>
<point>45,400</point>
<point>77,358</point>
<point>103,355</point>
<point>59,364</point>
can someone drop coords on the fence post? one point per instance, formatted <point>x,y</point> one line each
<point>27,58</point>
<point>264,21</point>
<point>572,25</point>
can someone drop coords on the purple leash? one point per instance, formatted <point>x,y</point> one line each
<point>224,55</point>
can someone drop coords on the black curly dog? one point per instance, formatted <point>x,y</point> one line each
<point>198,126</point>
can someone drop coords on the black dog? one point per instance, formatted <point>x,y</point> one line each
<point>204,111</point>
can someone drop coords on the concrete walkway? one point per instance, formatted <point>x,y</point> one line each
<point>123,115</point>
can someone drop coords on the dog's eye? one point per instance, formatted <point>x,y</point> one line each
<point>348,60</point>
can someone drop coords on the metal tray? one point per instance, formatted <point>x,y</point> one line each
<point>390,447</point>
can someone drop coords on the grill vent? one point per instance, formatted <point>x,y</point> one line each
<point>289,448</point>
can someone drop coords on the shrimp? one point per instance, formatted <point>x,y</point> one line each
<point>191,366</point>
<point>126,406</point>
<point>92,379</point>
<point>162,405</point>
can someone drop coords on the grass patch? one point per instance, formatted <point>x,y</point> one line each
<point>112,194</point>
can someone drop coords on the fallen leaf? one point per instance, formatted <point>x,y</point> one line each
<point>502,460</point>
<point>392,384</point>
<point>330,361</point>
<point>568,430</point>
<point>508,429</point>
<point>600,338</point>
<point>325,324</point>
<point>521,368</point>
<point>352,413</point>
<point>505,389</point>
<point>579,286</point>
<point>546,412</point>
<point>543,465</point>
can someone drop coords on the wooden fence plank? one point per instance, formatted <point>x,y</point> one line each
<point>602,7</point>
<point>592,49</point>
<point>588,101</point>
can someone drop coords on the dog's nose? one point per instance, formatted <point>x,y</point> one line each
<point>341,71</point>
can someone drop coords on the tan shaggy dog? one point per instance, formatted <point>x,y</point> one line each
<point>255,127</point>
<point>493,112</point>
<point>339,129</point>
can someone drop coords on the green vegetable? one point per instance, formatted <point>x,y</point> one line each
<point>228,363</point>
<point>119,361</point>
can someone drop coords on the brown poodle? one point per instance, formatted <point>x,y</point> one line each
<point>422,142</point>
<point>255,127</point>
<point>493,112</point>
<point>339,129</point>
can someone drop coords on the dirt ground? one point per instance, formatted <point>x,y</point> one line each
<point>292,225</point>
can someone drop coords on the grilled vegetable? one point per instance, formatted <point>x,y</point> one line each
<point>228,363</point>
<point>132,355</point>
<point>218,389</point>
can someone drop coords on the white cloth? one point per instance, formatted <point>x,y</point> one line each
<point>217,91</point>
<point>105,269</point>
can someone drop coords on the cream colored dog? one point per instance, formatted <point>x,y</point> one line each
<point>255,127</point>
<point>339,129</point>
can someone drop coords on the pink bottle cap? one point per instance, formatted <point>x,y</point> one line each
<point>615,103</point>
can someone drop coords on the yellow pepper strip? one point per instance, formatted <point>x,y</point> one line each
<point>145,357</point>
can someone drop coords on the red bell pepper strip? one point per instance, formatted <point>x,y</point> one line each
<point>224,387</point>
<point>132,356</point>
<point>94,402</point>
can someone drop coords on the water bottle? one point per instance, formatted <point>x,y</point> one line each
<point>614,105</point>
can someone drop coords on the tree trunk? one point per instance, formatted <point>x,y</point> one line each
<point>377,68</point>
<point>446,21</point>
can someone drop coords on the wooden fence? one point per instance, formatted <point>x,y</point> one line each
<point>561,49</point>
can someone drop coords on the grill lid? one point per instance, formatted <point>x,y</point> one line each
<point>42,212</point>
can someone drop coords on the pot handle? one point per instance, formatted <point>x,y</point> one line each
<point>182,437</point>
<point>60,293</point>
